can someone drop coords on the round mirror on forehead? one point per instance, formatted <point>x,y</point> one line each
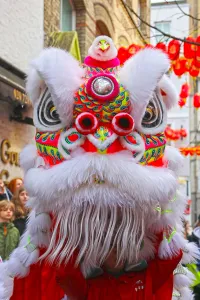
<point>102,87</point>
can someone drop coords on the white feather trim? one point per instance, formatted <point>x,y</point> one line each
<point>181,281</point>
<point>168,87</point>
<point>186,294</point>
<point>16,268</point>
<point>39,222</point>
<point>34,84</point>
<point>190,253</point>
<point>169,249</point>
<point>25,257</point>
<point>28,157</point>
<point>174,158</point>
<point>76,176</point>
<point>140,75</point>
<point>41,239</point>
<point>62,75</point>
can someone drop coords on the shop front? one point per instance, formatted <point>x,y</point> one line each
<point>16,122</point>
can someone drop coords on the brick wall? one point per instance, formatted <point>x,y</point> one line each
<point>88,12</point>
<point>51,17</point>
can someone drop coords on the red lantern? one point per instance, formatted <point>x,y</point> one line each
<point>168,132</point>
<point>177,135</point>
<point>190,49</point>
<point>198,47</point>
<point>180,66</point>
<point>198,150</point>
<point>123,55</point>
<point>133,49</point>
<point>194,71</point>
<point>174,49</point>
<point>182,102</point>
<point>196,100</point>
<point>183,133</point>
<point>162,47</point>
<point>185,88</point>
<point>196,62</point>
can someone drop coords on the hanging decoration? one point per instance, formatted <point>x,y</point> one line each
<point>189,50</point>
<point>195,150</point>
<point>188,62</point>
<point>184,93</point>
<point>196,100</point>
<point>173,49</point>
<point>162,46</point>
<point>175,134</point>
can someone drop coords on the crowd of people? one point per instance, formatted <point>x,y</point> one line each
<point>13,215</point>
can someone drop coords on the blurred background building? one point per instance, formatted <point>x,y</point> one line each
<point>168,17</point>
<point>195,118</point>
<point>26,27</point>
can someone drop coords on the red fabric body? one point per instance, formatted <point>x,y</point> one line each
<point>43,283</point>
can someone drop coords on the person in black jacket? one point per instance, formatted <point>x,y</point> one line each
<point>4,192</point>
<point>21,211</point>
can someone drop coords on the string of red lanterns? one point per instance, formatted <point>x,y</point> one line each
<point>175,134</point>
<point>188,63</point>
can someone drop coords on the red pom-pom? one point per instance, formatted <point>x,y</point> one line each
<point>122,124</point>
<point>86,123</point>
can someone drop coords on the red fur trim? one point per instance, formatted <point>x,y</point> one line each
<point>91,62</point>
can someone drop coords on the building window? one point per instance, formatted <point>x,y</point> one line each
<point>68,16</point>
<point>165,27</point>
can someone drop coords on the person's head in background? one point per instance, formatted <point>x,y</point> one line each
<point>2,186</point>
<point>19,199</point>
<point>7,209</point>
<point>15,184</point>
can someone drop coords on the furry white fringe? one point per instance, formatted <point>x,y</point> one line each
<point>169,249</point>
<point>6,283</point>
<point>181,280</point>
<point>190,253</point>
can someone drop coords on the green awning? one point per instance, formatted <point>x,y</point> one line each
<point>67,41</point>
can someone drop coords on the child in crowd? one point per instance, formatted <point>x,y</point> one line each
<point>21,211</point>
<point>15,184</point>
<point>9,234</point>
<point>4,192</point>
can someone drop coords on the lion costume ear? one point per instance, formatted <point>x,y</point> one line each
<point>141,75</point>
<point>169,92</point>
<point>61,74</point>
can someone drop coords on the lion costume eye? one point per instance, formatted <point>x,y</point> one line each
<point>153,116</point>
<point>46,112</point>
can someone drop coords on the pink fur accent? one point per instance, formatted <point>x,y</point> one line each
<point>91,62</point>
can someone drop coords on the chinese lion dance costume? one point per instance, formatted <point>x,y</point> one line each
<point>106,220</point>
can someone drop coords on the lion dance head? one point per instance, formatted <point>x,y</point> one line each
<point>101,166</point>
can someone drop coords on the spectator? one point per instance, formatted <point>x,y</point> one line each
<point>15,184</point>
<point>9,234</point>
<point>187,229</point>
<point>21,211</point>
<point>4,192</point>
<point>197,223</point>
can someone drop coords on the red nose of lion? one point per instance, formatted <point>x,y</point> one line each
<point>86,123</point>
<point>123,124</point>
